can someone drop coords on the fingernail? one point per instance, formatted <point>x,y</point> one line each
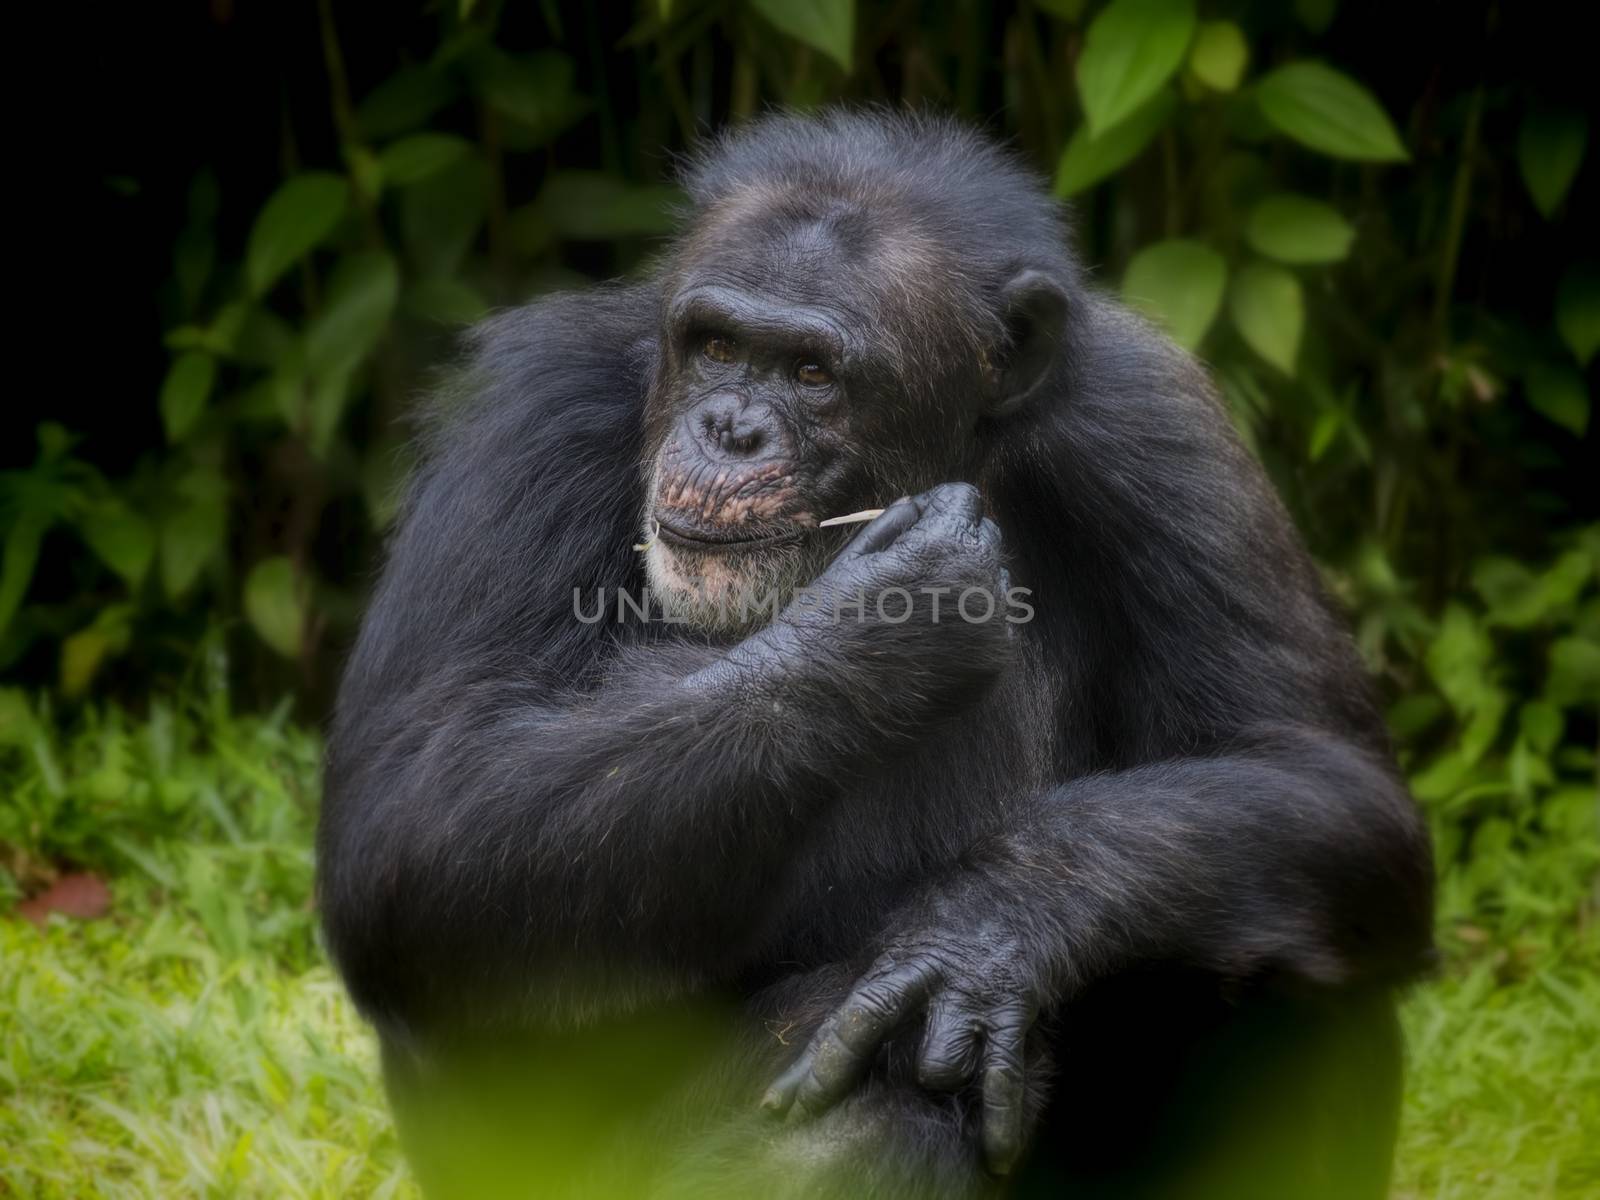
<point>772,1102</point>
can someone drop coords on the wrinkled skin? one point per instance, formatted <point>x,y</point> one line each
<point>975,987</point>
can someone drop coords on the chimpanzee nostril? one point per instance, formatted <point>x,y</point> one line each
<point>733,429</point>
<point>742,442</point>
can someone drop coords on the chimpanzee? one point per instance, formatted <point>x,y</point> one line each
<point>1039,836</point>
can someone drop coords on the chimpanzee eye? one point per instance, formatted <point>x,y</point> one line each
<point>813,375</point>
<point>717,349</point>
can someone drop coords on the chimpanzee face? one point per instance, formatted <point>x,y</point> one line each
<point>781,399</point>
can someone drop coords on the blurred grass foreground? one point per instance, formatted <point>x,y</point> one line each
<point>192,1041</point>
<point>1374,223</point>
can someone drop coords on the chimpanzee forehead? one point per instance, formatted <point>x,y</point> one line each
<point>831,252</point>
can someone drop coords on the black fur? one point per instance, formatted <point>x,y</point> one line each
<point>1160,826</point>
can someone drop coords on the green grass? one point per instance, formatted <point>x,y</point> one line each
<point>1503,1093</point>
<point>194,1042</point>
<point>136,1061</point>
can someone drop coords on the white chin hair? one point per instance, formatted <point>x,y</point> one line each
<point>709,592</point>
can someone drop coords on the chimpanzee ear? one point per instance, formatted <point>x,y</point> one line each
<point>1034,309</point>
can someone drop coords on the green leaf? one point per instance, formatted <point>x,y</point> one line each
<point>534,90</point>
<point>328,395</point>
<point>194,254</point>
<point>1131,49</point>
<point>1559,394</point>
<point>383,481</point>
<point>1460,659</point>
<point>192,532</point>
<point>302,212</point>
<point>1550,147</point>
<point>447,301</point>
<point>264,339</point>
<point>273,603</point>
<point>404,101</point>
<point>1269,313</point>
<point>1330,422</point>
<point>1297,229</point>
<point>1414,714</point>
<point>20,556</point>
<point>1066,10</point>
<point>1316,15</point>
<point>440,216</point>
<point>592,205</point>
<point>1518,598</point>
<point>365,171</point>
<point>1541,725</point>
<point>1578,311</point>
<point>1330,112</point>
<point>122,539</point>
<point>1219,55</point>
<point>827,25</point>
<point>219,337</point>
<point>362,291</point>
<point>413,159</point>
<point>1574,677</point>
<point>83,652</point>
<point>1089,159</point>
<point>184,392</point>
<point>1180,284</point>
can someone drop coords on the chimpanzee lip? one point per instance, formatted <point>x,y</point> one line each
<point>721,539</point>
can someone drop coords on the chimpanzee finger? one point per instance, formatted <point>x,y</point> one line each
<point>882,530</point>
<point>951,512</point>
<point>1003,1085</point>
<point>949,1054</point>
<point>952,503</point>
<point>844,1047</point>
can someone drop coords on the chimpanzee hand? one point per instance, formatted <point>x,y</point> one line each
<point>970,976</point>
<point>925,577</point>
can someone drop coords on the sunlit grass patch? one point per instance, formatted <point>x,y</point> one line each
<point>136,1062</point>
<point>1503,1092</point>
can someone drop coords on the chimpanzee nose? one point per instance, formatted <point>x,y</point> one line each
<point>734,429</point>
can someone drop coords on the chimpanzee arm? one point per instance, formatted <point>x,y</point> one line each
<point>524,811</point>
<point>1290,854</point>
<point>1240,813</point>
<point>484,826</point>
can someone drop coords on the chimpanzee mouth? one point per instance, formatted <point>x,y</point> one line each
<point>714,540</point>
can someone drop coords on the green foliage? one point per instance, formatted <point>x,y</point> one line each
<point>1089,158</point>
<point>138,798</point>
<point>829,25</point>
<point>1269,311</point>
<point>1578,311</point>
<point>193,1041</point>
<point>1297,229</point>
<point>1219,55</point>
<point>304,316</point>
<point>1180,284</point>
<point>1328,111</point>
<point>1132,48</point>
<point>299,214</point>
<point>183,395</point>
<point>1550,148</point>
<point>273,602</point>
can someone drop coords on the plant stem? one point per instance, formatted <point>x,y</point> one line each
<point>1455,230</point>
